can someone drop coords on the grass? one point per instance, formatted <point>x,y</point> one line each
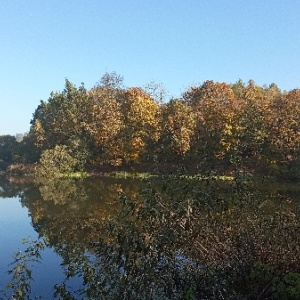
<point>132,175</point>
<point>75,175</point>
<point>213,177</point>
<point>147,175</point>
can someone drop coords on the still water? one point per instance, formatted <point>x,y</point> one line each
<point>106,237</point>
<point>16,233</point>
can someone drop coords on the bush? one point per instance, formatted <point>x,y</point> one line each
<point>56,162</point>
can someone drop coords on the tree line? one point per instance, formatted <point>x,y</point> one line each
<point>214,125</point>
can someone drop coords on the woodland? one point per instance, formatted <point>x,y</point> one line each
<point>217,126</point>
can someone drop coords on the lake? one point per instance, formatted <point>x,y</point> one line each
<point>162,238</point>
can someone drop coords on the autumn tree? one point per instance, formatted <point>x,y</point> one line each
<point>140,114</point>
<point>178,125</point>
<point>254,102</point>
<point>272,92</point>
<point>282,124</point>
<point>105,121</point>
<point>215,106</point>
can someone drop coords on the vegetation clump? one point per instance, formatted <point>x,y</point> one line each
<point>56,162</point>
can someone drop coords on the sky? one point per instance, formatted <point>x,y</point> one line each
<point>174,42</point>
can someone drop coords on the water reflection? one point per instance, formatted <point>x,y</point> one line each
<point>169,238</point>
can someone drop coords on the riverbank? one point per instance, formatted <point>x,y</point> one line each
<point>148,171</point>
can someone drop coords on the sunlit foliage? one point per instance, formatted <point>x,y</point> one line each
<point>141,119</point>
<point>214,125</point>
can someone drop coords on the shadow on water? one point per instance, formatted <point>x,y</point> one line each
<point>164,238</point>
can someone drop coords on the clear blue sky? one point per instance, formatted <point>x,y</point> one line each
<point>179,43</point>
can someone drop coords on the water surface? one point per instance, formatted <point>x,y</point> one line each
<point>107,236</point>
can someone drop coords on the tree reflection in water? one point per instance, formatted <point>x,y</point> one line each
<point>172,238</point>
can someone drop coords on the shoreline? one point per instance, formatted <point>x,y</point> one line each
<point>141,173</point>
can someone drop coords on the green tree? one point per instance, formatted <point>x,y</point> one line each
<point>26,150</point>
<point>62,120</point>
<point>7,145</point>
<point>238,88</point>
<point>56,162</point>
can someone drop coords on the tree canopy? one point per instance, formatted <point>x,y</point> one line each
<point>214,124</point>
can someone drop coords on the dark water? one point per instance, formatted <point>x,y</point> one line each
<point>103,238</point>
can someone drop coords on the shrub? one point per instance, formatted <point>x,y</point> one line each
<point>56,162</point>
